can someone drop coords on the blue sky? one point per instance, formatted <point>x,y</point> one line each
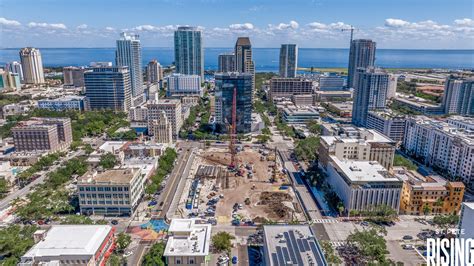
<point>431,24</point>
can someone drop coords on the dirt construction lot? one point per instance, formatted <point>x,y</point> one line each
<point>252,189</point>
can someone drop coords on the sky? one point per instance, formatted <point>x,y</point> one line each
<point>397,24</point>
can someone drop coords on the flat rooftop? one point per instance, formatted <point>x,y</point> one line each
<point>63,240</point>
<point>187,238</point>
<point>357,135</point>
<point>113,176</point>
<point>292,245</point>
<point>112,146</point>
<point>363,171</point>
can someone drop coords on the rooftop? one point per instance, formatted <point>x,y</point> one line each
<point>243,41</point>
<point>363,171</point>
<point>292,245</point>
<point>187,238</point>
<point>61,240</point>
<point>114,176</point>
<point>352,134</point>
<point>387,114</point>
<point>66,98</point>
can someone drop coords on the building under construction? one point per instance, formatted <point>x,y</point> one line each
<point>226,84</point>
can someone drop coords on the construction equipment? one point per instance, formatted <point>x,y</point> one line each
<point>352,32</point>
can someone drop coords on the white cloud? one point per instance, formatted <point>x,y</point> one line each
<point>151,28</point>
<point>82,27</point>
<point>7,22</point>
<point>244,26</point>
<point>284,26</point>
<point>53,26</point>
<point>109,28</point>
<point>317,25</point>
<point>466,22</point>
<point>396,23</point>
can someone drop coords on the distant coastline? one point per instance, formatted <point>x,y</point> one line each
<point>266,59</point>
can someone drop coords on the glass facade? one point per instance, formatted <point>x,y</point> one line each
<point>225,84</point>
<point>188,52</point>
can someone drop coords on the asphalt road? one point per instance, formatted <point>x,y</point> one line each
<point>5,202</point>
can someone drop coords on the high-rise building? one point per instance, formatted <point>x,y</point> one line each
<point>74,76</point>
<point>162,129</point>
<point>109,88</point>
<point>370,93</point>
<point>458,96</point>
<point>243,55</point>
<point>361,54</point>
<point>32,65</point>
<point>173,111</point>
<point>154,72</point>
<point>9,81</point>
<point>392,86</point>
<point>288,60</point>
<point>287,87</point>
<point>15,67</point>
<point>129,53</point>
<point>225,84</point>
<point>188,51</point>
<point>183,85</point>
<point>226,62</point>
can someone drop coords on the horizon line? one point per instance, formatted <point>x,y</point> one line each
<point>171,47</point>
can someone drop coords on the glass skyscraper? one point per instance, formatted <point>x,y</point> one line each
<point>129,53</point>
<point>288,60</point>
<point>188,51</point>
<point>225,84</point>
<point>361,54</point>
<point>108,88</point>
<point>370,93</point>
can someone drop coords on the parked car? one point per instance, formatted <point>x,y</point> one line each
<point>114,222</point>
<point>407,237</point>
<point>234,260</point>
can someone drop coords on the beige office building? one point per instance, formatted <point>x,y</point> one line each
<point>161,129</point>
<point>173,111</point>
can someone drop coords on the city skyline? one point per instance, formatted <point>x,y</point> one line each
<point>307,23</point>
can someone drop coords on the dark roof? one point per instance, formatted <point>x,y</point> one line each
<point>241,41</point>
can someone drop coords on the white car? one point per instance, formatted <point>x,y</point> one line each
<point>127,254</point>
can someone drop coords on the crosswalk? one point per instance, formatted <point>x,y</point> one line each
<point>325,221</point>
<point>336,244</point>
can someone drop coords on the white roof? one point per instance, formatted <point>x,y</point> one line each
<point>64,240</point>
<point>111,146</point>
<point>188,238</point>
<point>363,171</point>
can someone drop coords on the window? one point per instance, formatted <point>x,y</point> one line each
<point>178,261</point>
<point>191,261</point>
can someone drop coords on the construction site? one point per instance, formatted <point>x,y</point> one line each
<point>254,191</point>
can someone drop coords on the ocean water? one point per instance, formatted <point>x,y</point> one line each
<point>266,59</point>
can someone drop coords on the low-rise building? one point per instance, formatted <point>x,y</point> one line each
<point>329,96</point>
<point>362,185</point>
<point>188,242</point>
<point>111,192</point>
<point>14,109</point>
<point>114,147</point>
<point>147,149</point>
<point>291,245</point>
<point>299,115</point>
<point>303,99</point>
<point>342,109</point>
<point>43,134</point>
<point>439,195</point>
<point>351,143</point>
<point>419,105</point>
<point>70,102</point>
<point>71,245</point>
<point>388,123</point>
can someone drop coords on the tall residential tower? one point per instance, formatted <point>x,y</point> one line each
<point>361,54</point>
<point>32,65</point>
<point>188,51</point>
<point>129,53</point>
<point>288,60</point>
<point>370,93</point>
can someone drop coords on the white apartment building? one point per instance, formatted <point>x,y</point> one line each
<point>362,185</point>
<point>32,65</point>
<point>183,85</point>
<point>358,144</point>
<point>138,113</point>
<point>447,149</point>
<point>188,243</point>
<point>387,123</point>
